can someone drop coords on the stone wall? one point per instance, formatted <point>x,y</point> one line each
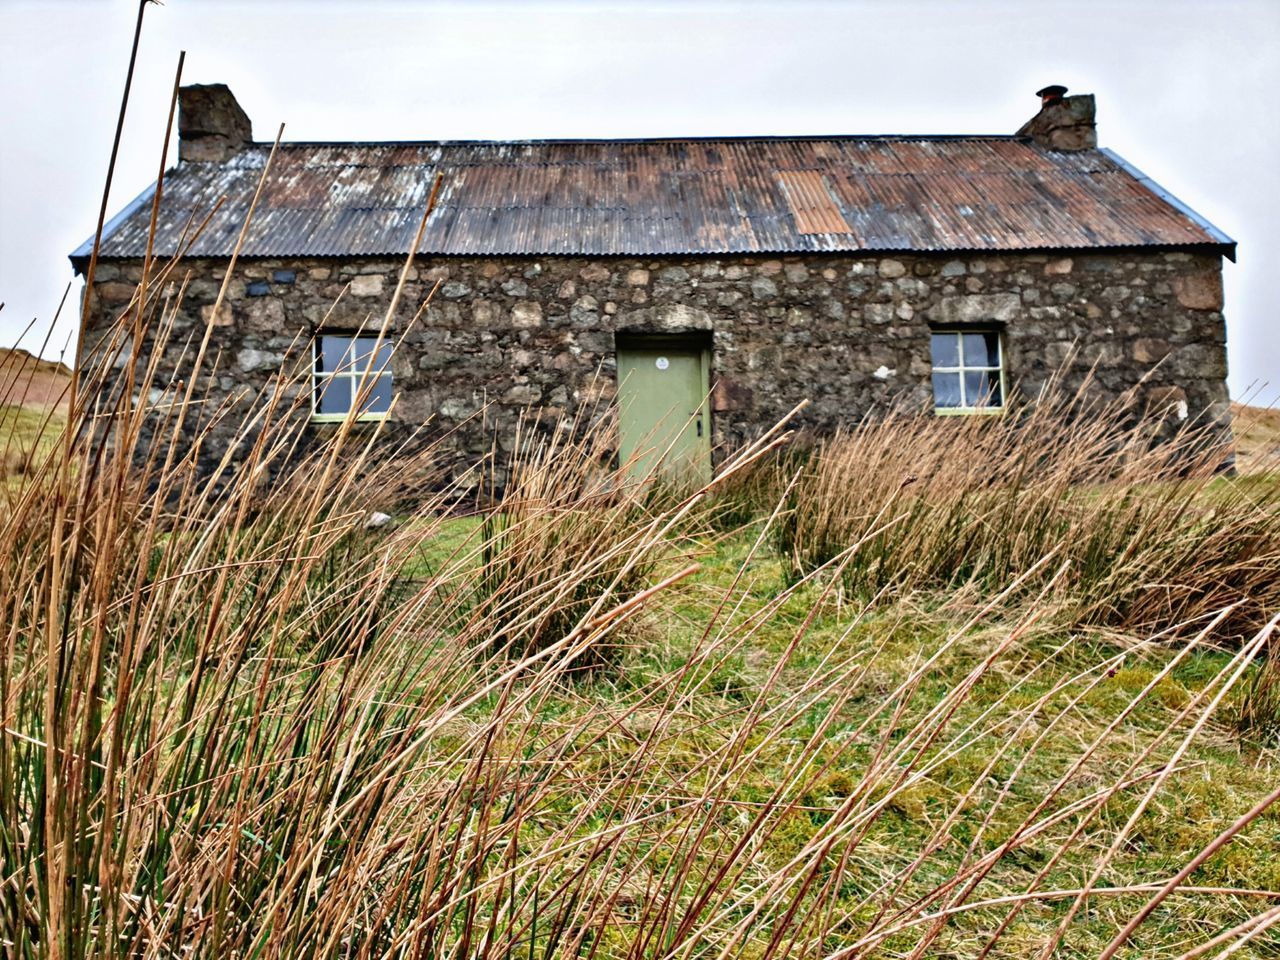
<point>848,333</point>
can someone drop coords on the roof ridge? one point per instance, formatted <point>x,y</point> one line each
<point>728,138</point>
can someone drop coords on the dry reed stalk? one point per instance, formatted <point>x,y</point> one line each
<point>1152,535</point>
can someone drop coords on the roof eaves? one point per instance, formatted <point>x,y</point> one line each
<point>766,250</point>
<point>85,250</point>
<point>1219,236</point>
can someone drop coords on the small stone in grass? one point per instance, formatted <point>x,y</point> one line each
<point>376,520</point>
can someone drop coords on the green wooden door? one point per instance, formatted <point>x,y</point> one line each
<point>663,418</point>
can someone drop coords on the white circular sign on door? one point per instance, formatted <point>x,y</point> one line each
<point>662,363</point>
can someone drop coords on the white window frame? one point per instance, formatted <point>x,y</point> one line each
<point>964,409</point>
<point>356,376</point>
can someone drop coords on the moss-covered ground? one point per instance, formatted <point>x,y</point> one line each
<point>1047,700</point>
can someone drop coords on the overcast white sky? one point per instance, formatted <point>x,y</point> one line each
<point>1187,91</point>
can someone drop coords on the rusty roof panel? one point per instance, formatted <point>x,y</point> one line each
<point>664,197</point>
<point>814,208</point>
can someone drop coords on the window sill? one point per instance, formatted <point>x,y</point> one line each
<point>968,411</point>
<point>342,417</point>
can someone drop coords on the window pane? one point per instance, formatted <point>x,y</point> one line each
<point>383,361</point>
<point>982,349</point>
<point>352,354</point>
<point>377,394</point>
<point>946,389</point>
<point>982,388</point>
<point>361,353</point>
<point>332,353</point>
<point>333,395</point>
<point>944,347</point>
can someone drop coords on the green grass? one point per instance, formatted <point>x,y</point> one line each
<point>1214,783</point>
<point>25,435</point>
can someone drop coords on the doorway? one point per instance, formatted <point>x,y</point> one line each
<point>664,417</point>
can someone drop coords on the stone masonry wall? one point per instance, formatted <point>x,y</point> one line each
<point>849,333</point>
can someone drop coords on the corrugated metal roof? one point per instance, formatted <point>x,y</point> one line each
<point>665,197</point>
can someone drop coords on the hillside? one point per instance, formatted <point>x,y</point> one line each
<point>30,382</point>
<point>33,402</point>
<point>1257,432</point>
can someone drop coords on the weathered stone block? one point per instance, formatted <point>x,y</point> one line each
<point>1150,350</point>
<point>523,394</point>
<point>249,360</point>
<point>367,285</point>
<point>672,318</point>
<point>264,315</point>
<point>484,313</point>
<point>458,408</point>
<point>1167,399</point>
<point>796,273</point>
<point>879,313</point>
<point>976,308</point>
<point>1199,291</point>
<point>116,293</point>
<point>729,395</point>
<point>526,314</point>
<point>225,317</point>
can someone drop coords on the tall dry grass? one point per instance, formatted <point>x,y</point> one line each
<point>1149,532</point>
<point>237,722</point>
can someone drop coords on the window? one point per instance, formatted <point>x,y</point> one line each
<point>344,367</point>
<point>968,371</point>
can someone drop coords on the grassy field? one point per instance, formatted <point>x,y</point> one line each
<point>33,399</point>
<point>1257,431</point>
<point>818,709</point>
<point>26,435</point>
<point>1078,685</point>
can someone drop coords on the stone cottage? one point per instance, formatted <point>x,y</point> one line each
<point>708,284</point>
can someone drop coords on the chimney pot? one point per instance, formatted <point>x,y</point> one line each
<point>1063,123</point>
<point>1051,94</point>
<point>212,127</point>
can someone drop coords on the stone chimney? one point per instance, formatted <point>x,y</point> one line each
<point>211,126</point>
<point>1063,123</point>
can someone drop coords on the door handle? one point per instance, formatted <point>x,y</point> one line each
<point>699,424</point>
